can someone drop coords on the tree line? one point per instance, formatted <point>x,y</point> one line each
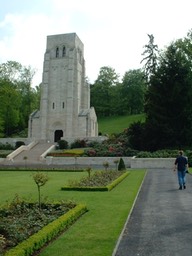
<point>110,97</point>
<point>18,99</point>
<point>162,89</point>
<point>168,97</point>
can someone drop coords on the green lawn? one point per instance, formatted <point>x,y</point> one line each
<point>117,124</point>
<point>97,231</point>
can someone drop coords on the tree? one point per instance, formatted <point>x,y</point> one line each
<point>102,91</point>
<point>133,91</point>
<point>107,76</point>
<point>9,107</point>
<point>135,134</point>
<point>151,60</point>
<point>10,71</point>
<point>40,180</point>
<point>17,98</point>
<point>168,101</point>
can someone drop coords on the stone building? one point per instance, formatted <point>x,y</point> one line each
<point>65,111</point>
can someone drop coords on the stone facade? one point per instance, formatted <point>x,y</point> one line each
<point>65,110</point>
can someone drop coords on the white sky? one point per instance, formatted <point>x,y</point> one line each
<point>113,32</point>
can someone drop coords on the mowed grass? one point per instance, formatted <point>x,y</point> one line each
<point>97,231</point>
<point>117,124</point>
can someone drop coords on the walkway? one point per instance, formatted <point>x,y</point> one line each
<point>161,221</point>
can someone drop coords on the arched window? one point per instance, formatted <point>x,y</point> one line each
<point>53,105</point>
<point>64,51</point>
<point>63,104</point>
<point>57,52</point>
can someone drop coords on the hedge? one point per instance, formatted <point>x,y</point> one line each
<point>47,233</point>
<point>106,188</point>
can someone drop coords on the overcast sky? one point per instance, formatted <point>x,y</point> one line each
<point>113,32</point>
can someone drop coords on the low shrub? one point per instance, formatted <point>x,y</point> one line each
<point>67,153</point>
<point>62,144</point>
<point>18,144</point>
<point>79,144</point>
<point>5,153</point>
<point>121,165</point>
<point>6,146</point>
<point>158,154</point>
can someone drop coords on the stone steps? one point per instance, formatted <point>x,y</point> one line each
<point>32,155</point>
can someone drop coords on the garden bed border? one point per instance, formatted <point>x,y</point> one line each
<point>47,233</point>
<point>109,187</point>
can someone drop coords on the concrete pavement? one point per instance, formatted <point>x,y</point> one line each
<point>161,221</point>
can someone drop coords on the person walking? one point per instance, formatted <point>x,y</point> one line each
<point>181,165</point>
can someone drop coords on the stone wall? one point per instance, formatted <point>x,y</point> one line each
<point>83,162</point>
<point>150,163</point>
<point>97,162</point>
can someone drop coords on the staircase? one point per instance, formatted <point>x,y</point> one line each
<point>30,156</point>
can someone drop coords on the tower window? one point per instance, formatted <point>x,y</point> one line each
<point>53,105</point>
<point>64,51</point>
<point>63,104</point>
<point>57,52</point>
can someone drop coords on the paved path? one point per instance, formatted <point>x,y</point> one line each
<point>161,221</point>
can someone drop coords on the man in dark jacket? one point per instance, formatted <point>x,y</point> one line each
<point>181,164</point>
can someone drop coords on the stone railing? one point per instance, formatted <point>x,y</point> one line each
<point>42,157</point>
<point>20,149</point>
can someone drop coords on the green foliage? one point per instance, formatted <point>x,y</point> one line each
<point>62,144</point>
<point>106,165</point>
<point>102,91</point>
<point>5,153</point>
<point>135,133</point>
<point>151,54</point>
<point>40,180</point>
<point>121,165</point>
<point>88,170</point>
<point>67,153</point>
<point>107,90</point>
<point>99,181</point>
<point>60,216</point>
<point>9,106</point>
<point>102,215</point>
<point>17,98</point>
<point>6,146</point>
<point>18,144</point>
<point>133,92</point>
<point>2,244</point>
<point>78,144</point>
<point>168,100</point>
<point>21,219</point>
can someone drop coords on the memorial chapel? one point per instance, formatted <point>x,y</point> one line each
<point>65,111</point>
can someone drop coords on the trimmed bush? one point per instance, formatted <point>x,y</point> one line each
<point>18,144</point>
<point>46,234</point>
<point>79,144</point>
<point>121,165</point>
<point>62,144</point>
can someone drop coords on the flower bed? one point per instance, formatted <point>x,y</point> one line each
<point>100,181</point>
<point>25,228</point>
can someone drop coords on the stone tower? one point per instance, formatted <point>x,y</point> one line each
<point>65,111</point>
